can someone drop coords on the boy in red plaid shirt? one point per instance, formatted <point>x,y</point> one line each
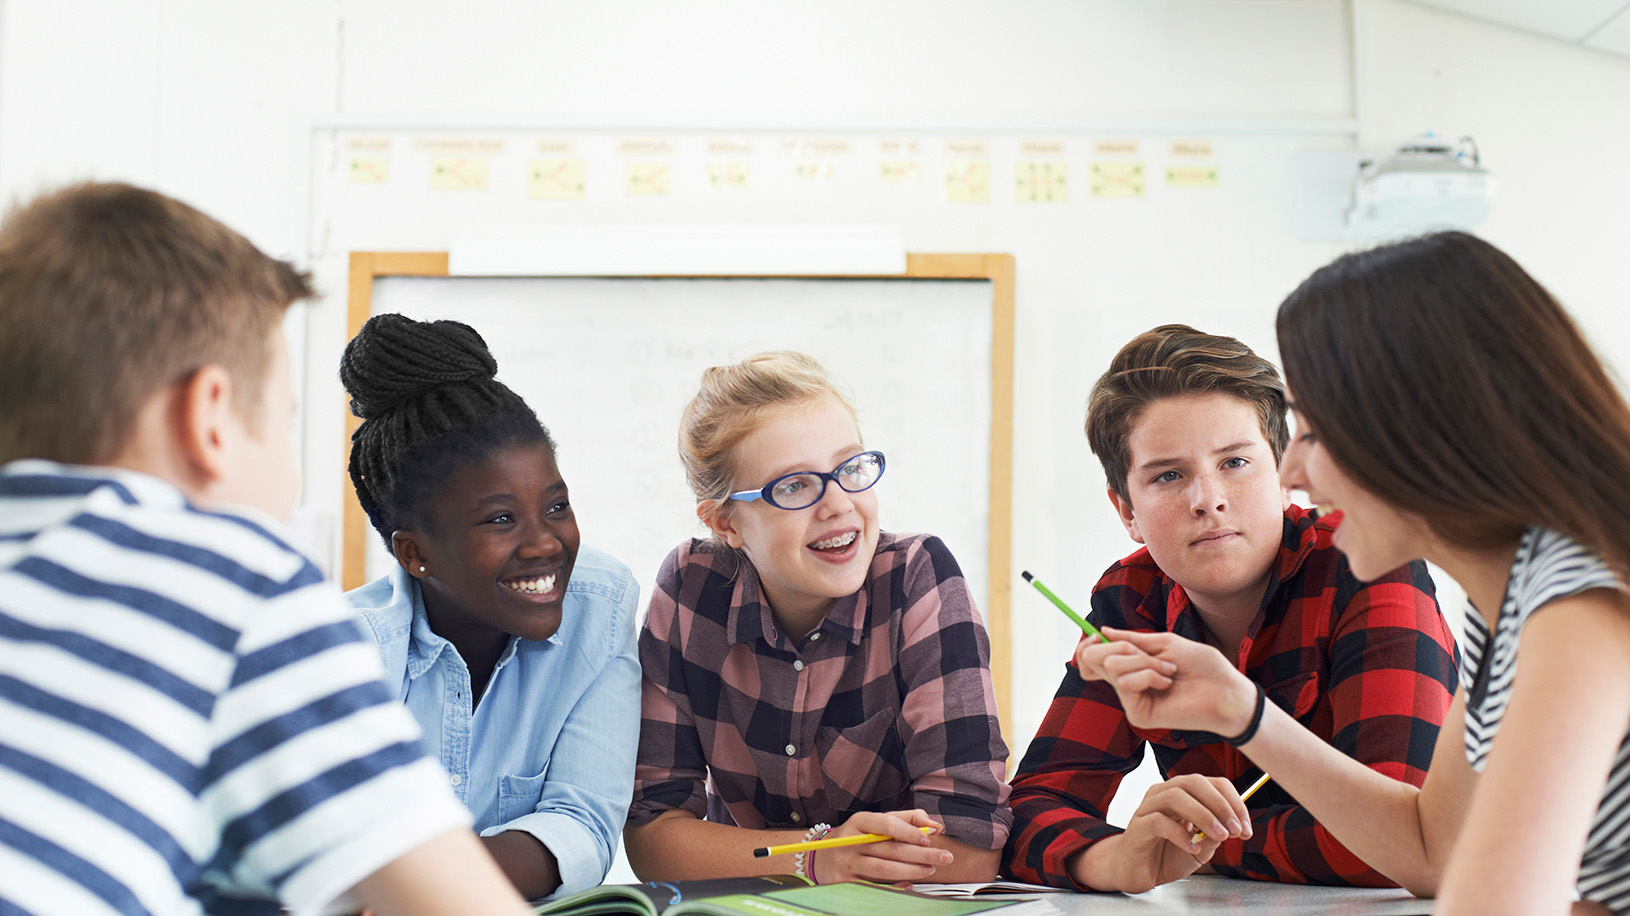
<point>1190,429</point>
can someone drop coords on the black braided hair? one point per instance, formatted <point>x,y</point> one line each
<point>430,404</point>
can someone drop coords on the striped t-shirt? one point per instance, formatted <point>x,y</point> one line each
<point>1549,567</point>
<point>190,722</point>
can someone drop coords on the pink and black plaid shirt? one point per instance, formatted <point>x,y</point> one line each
<point>1368,666</point>
<point>887,705</point>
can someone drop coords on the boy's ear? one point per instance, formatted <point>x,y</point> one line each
<point>1123,508</point>
<point>713,514</point>
<point>405,547</point>
<point>206,424</point>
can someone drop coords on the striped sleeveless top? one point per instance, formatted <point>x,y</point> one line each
<point>1549,566</point>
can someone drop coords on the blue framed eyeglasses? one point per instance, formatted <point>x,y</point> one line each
<point>805,488</point>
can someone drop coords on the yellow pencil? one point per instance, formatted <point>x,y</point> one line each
<point>1201,834</point>
<point>856,840</point>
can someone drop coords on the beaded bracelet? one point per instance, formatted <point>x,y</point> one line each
<point>1256,720</point>
<point>814,833</point>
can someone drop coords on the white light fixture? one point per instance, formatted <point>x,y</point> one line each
<point>1423,185</point>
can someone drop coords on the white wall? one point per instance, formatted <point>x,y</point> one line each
<point>212,102</point>
<point>1552,120</point>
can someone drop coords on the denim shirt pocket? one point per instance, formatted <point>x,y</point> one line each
<point>518,795</point>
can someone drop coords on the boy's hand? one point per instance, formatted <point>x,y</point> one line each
<point>1157,846</point>
<point>907,858</point>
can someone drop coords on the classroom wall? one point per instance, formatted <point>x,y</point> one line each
<point>214,103</point>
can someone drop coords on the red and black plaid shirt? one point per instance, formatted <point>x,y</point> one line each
<point>1370,668</point>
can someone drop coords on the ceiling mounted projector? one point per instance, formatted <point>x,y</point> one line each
<point>1423,185</point>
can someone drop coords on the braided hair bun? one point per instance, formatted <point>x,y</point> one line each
<point>394,360</point>
<point>430,402</point>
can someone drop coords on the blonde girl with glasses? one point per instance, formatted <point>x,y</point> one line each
<point>805,673</point>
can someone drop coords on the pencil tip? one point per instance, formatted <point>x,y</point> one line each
<point>761,853</point>
<point>1027,576</point>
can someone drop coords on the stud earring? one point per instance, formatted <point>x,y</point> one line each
<point>421,569</point>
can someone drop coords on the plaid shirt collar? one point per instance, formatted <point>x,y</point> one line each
<point>750,619</point>
<point>1296,544</point>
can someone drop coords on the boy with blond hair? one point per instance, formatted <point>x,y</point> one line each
<point>189,720</point>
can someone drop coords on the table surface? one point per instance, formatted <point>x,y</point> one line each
<point>1214,894</point>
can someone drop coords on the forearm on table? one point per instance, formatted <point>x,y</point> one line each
<point>528,864</point>
<point>971,864</point>
<point>678,846</point>
<point>1098,867</point>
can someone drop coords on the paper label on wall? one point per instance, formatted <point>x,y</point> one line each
<point>967,182</point>
<point>730,146</point>
<point>1191,176</point>
<point>812,169</point>
<point>648,179</point>
<point>557,179</point>
<point>1116,179</point>
<point>819,147</point>
<point>466,147</point>
<point>556,146</point>
<point>1191,149</point>
<point>898,171</point>
<point>1041,183</point>
<point>459,173</point>
<point>1121,147</point>
<point>1041,148</point>
<point>368,144</point>
<point>975,148</point>
<point>727,174</point>
<point>899,149</point>
<point>369,169</point>
<point>649,146</point>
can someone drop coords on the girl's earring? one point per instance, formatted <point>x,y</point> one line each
<point>421,569</point>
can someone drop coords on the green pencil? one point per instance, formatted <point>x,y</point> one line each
<point>1080,621</point>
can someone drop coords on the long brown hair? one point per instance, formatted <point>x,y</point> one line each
<point>1443,378</point>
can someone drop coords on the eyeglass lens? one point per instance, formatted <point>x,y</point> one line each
<point>796,491</point>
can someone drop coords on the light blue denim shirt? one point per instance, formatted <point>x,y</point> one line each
<point>550,749</point>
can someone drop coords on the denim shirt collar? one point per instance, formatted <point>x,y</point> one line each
<point>425,648</point>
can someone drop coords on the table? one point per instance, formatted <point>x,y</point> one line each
<point>1214,894</point>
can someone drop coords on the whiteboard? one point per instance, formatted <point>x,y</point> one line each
<point>609,364</point>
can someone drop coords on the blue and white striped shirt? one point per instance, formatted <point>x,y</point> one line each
<point>189,720</point>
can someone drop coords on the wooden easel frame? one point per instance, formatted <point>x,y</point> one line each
<point>998,269</point>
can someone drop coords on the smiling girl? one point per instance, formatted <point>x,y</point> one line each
<point>509,641</point>
<point>807,674</point>
<point>1449,409</point>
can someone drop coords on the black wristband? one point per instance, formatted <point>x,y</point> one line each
<point>1256,720</point>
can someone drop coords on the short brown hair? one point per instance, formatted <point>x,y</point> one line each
<point>1173,360</point>
<point>109,293</point>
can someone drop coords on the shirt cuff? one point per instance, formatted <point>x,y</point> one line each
<point>576,849</point>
